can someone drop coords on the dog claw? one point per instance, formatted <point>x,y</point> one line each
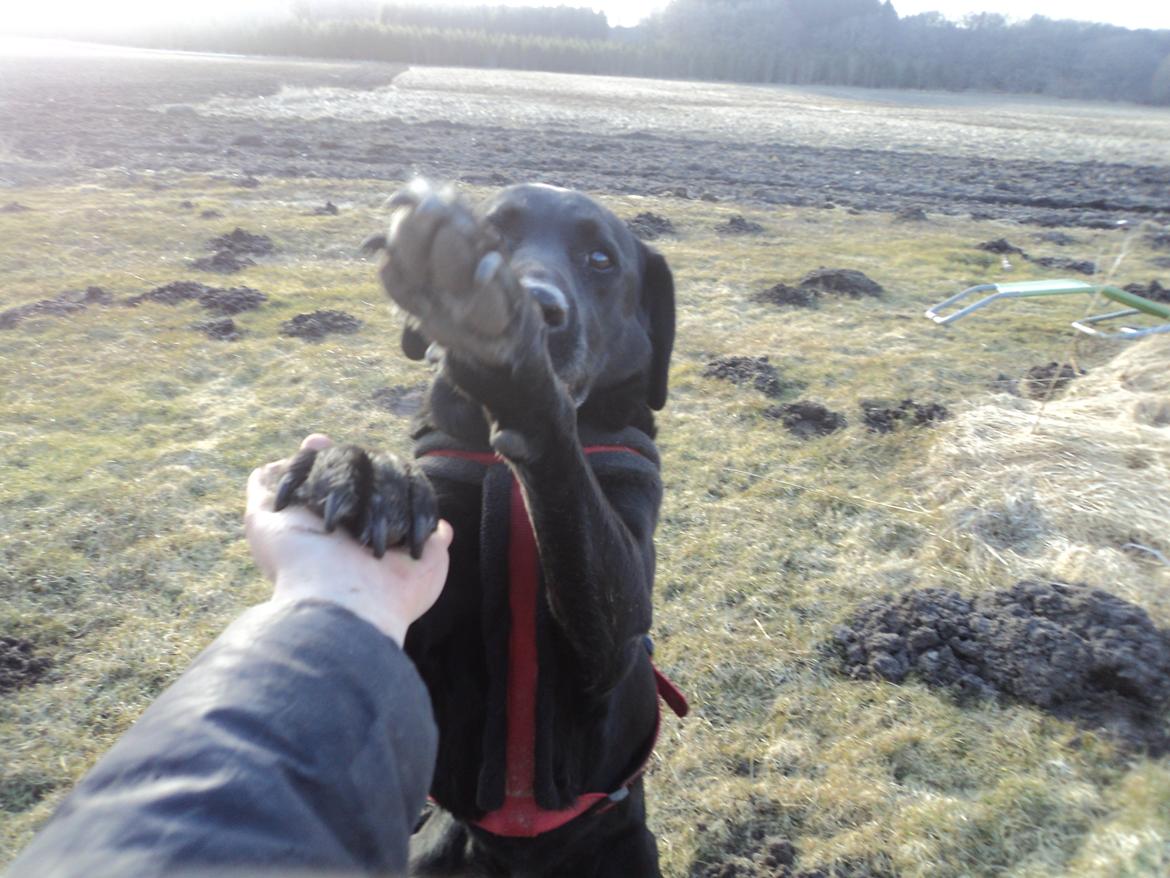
<point>335,505</point>
<point>487,268</point>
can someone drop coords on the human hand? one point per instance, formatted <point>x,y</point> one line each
<point>293,550</point>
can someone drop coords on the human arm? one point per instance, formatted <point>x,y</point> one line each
<point>300,741</point>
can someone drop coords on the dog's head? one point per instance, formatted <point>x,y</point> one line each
<point>607,298</point>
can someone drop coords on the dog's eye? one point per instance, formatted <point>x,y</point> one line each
<point>599,260</point>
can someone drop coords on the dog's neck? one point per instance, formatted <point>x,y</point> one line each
<point>448,410</point>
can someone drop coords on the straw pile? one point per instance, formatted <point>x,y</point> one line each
<point>1075,488</point>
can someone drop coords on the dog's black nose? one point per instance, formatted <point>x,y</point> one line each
<point>552,301</point>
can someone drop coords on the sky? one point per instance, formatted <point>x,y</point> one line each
<point>20,13</point>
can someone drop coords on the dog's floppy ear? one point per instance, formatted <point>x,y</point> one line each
<point>658,304</point>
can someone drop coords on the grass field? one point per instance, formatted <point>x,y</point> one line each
<point>127,437</point>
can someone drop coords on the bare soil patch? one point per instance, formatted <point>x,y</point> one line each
<point>138,112</point>
<point>1079,653</point>
<point>19,664</point>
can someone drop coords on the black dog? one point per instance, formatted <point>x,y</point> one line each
<point>554,325</point>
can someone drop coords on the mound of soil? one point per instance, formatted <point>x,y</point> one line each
<point>649,226</point>
<point>14,207</point>
<point>210,214</point>
<point>224,301</point>
<point>1061,263</point>
<point>880,416</point>
<point>247,182</point>
<point>64,303</point>
<point>1153,291</point>
<point>1060,239</point>
<point>242,243</point>
<point>19,664</point>
<point>400,399</point>
<point>315,326</point>
<point>222,262</point>
<point>806,419</point>
<point>783,294</point>
<point>232,300</point>
<point>1000,246</point>
<point>327,209</point>
<point>220,329</point>
<point>1041,382</point>
<point>756,371</point>
<point>738,225</point>
<point>1076,652</point>
<point>841,280</point>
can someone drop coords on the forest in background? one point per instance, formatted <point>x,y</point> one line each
<point>802,42</point>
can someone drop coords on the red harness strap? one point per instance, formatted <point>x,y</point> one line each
<point>521,816</point>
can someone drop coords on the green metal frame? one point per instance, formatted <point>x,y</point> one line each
<point>1134,303</point>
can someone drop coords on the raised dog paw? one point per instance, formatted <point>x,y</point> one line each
<point>448,269</point>
<point>381,501</point>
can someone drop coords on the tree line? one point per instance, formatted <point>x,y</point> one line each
<point>803,42</point>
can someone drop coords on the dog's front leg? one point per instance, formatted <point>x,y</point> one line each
<point>447,270</point>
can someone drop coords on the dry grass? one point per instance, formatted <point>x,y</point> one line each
<point>127,438</point>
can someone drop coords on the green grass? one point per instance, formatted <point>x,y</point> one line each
<point>127,437</point>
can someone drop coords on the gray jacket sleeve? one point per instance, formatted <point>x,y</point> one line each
<point>300,741</point>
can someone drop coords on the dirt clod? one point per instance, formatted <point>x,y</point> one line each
<point>807,420</point>
<point>738,225</point>
<point>756,371</point>
<point>19,664</point>
<point>783,294</point>
<point>243,243</point>
<point>881,416</point>
<point>841,280</point>
<point>649,226</point>
<point>315,326</point>
<point>1074,651</point>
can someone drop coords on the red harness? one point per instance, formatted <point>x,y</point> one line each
<point>521,816</point>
